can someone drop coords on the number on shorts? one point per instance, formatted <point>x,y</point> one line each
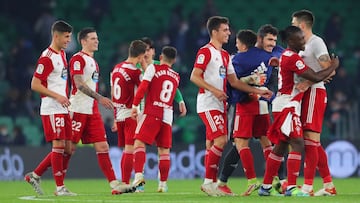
<point>59,122</point>
<point>218,119</point>
<point>76,126</point>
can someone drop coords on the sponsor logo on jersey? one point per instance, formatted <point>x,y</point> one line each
<point>200,59</point>
<point>222,71</point>
<point>64,73</point>
<point>95,76</point>
<point>40,68</point>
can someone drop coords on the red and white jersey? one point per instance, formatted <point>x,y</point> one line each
<point>125,77</point>
<point>51,69</point>
<point>216,65</point>
<point>314,48</point>
<point>162,84</point>
<point>86,66</point>
<point>290,66</point>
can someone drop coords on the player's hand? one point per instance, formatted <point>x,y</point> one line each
<point>254,79</point>
<point>265,92</point>
<point>134,113</point>
<point>114,127</point>
<point>64,101</point>
<point>106,102</point>
<point>219,94</point>
<point>335,60</point>
<point>182,109</point>
<point>274,62</point>
<point>303,86</point>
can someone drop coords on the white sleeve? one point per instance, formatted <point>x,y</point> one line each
<point>231,69</point>
<point>319,48</point>
<point>149,73</point>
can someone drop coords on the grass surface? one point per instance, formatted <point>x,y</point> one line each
<point>180,191</point>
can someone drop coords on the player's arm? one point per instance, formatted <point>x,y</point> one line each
<point>84,88</point>
<point>309,74</point>
<point>238,84</point>
<point>37,86</point>
<point>180,100</point>
<point>140,93</point>
<point>198,80</point>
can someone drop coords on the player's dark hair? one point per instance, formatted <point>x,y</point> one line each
<point>169,52</point>
<point>61,26</point>
<point>305,16</point>
<point>136,48</point>
<point>288,32</point>
<point>247,37</point>
<point>267,29</point>
<point>148,41</point>
<point>214,23</point>
<point>83,33</point>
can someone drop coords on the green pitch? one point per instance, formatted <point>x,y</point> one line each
<point>180,191</point>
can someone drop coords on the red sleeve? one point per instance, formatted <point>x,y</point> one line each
<point>202,58</point>
<point>141,92</point>
<point>77,64</point>
<point>299,64</point>
<point>44,68</point>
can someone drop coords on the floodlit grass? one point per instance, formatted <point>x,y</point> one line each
<point>180,191</point>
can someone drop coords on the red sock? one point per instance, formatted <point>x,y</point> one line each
<point>247,161</point>
<point>266,151</point>
<point>323,165</point>
<point>164,166</point>
<point>212,164</point>
<point>57,160</point>
<point>139,159</point>
<point>293,167</point>
<point>66,160</point>
<point>44,165</point>
<point>272,166</point>
<point>126,165</point>
<point>105,165</point>
<point>311,160</point>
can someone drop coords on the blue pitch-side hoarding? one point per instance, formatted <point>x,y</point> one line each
<point>186,161</point>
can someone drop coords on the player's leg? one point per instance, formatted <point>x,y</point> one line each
<point>273,162</point>
<point>232,157</point>
<point>216,133</point>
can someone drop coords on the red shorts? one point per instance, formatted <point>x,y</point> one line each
<point>57,127</point>
<point>248,126</point>
<point>274,133</point>
<point>88,127</point>
<point>151,129</point>
<point>215,124</point>
<point>313,109</point>
<point>126,132</point>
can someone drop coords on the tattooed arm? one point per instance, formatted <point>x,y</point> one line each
<point>80,85</point>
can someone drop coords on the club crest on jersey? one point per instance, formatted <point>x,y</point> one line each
<point>95,76</point>
<point>40,68</point>
<point>200,59</point>
<point>222,71</point>
<point>64,73</point>
<point>299,64</point>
